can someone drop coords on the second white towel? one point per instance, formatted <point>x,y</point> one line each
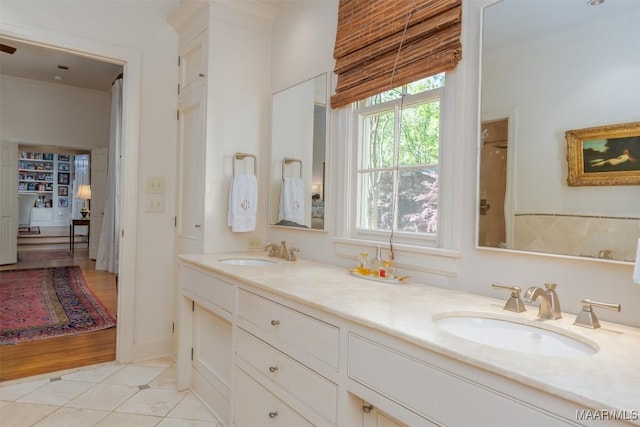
<point>292,200</point>
<point>243,201</point>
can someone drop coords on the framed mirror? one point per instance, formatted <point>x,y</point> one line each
<point>547,69</point>
<point>298,155</point>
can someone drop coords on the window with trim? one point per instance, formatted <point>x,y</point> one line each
<point>398,151</point>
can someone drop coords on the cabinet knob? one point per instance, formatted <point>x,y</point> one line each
<point>200,74</point>
<point>275,322</point>
<point>197,226</point>
<point>273,368</point>
<point>273,414</point>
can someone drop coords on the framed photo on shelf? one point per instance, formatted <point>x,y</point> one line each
<point>63,202</point>
<point>63,178</point>
<point>63,157</point>
<point>63,190</point>
<point>63,167</point>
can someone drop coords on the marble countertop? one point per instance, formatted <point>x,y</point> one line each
<point>608,379</point>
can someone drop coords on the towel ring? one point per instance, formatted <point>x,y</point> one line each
<point>242,156</point>
<point>288,161</point>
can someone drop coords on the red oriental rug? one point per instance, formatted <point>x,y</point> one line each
<point>48,302</point>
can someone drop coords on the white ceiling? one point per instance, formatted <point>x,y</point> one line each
<point>41,63</point>
<point>514,22</point>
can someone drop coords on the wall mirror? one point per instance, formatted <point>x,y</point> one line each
<point>298,150</point>
<point>547,69</point>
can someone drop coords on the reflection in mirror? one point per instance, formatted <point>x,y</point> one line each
<point>547,69</point>
<point>298,147</point>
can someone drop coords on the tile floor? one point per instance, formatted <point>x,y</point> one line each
<point>109,394</point>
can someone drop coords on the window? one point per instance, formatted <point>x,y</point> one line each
<point>398,172</point>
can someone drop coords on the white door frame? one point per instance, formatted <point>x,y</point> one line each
<point>131,61</point>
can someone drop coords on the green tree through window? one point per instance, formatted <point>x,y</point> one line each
<point>399,144</point>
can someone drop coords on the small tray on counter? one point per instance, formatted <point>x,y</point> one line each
<point>396,280</point>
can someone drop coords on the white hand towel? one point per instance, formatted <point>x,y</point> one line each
<point>292,197</point>
<point>636,270</point>
<point>243,201</point>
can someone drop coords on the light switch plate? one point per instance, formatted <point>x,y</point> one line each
<point>254,243</point>
<point>155,185</point>
<point>154,203</point>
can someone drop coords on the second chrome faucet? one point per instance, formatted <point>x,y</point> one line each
<point>281,251</point>
<point>549,302</point>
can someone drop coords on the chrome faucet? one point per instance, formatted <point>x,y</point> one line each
<point>281,251</point>
<point>514,303</point>
<point>284,252</point>
<point>274,250</point>
<point>287,253</point>
<point>549,302</point>
<point>587,317</point>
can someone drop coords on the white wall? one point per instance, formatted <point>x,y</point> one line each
<point>138,26</point>
<point>303,37</point>
<point>237,114</point>
<point>33,112</point>
<point>595,84</point>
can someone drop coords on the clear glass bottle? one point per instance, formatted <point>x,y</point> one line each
<point>376,263</point>
<point>363,268</point>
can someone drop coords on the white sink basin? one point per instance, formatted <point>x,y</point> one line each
<point>514,336</point>
<point>247,261</point>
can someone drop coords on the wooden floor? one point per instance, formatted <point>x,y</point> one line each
<point>53,354</point>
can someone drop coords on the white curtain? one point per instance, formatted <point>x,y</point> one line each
<point>108,248</point>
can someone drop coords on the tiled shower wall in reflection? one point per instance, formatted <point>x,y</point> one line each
<point>578,235</point>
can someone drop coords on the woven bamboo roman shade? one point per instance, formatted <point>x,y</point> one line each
<point>383,44</point>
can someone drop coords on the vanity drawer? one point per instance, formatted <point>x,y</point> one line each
<point>317,338</point>
<point>308,386</point>
<point>207,290</point>
<point>256,406</point>
<point>436,394</point>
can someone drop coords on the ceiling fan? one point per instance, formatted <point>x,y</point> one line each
<point>7,49</point>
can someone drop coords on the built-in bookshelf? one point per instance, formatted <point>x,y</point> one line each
<point>48,177</point>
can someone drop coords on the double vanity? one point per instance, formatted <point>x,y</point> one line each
<point>266,341</point>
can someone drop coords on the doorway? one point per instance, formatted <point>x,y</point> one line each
<point>493,183</point>
<point>130,60</point>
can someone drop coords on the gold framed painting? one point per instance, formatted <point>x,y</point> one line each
<point>604,155</point>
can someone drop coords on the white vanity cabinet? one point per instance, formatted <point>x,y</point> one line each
<point>205,341</point>
<point>271,351</point>
<point>286,350</point>
<point>422,388</point>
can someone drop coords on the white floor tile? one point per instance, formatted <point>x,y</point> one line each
<point>179,422</point>
<point>160,362</point>
<point>103,397</point>
<point>134,375</point>
<point>94,375</point>
<point>152,401</point>
<point>72,417</point>
<point>17,390</point>
<point>191,408</point>
<point>23,414</point>
<point>128,420</point>
<point>167,379</point>
<point>56,392</point>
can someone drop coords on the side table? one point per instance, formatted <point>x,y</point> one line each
<point>72,229</point>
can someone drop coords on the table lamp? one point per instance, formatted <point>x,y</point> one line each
<point>84,193</point>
